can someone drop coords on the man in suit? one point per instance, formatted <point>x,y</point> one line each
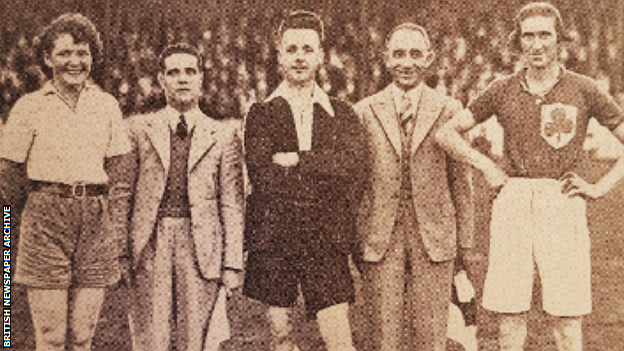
<point>186,218</point>
<point>304,159</point>
<point>416,208</point>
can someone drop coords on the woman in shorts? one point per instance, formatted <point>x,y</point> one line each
<point>64,134</point>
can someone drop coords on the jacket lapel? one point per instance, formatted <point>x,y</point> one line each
<point>384,110</point>
<point>158,132</point>
<point>203,139</point>
<point>429,109</point>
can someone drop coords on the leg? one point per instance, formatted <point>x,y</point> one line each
<point>383,290</point>
<point>562,253</point>
<point>429,298</point>
<point>274,282</point>
<point>512,331</point>
<point>509,279</point>
<point>281,328</point>
<point>47,234</point>
<point>151,296</point>
<point>327,288</point>
<point>568,333</point>
<point>334,326</point>
<point>195,296</point>
<point>84,314</point>
<point>49,314</point>
<point>141,300</point>
<point>95,266</point>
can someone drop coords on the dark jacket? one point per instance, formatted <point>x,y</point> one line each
<point>327,181</point>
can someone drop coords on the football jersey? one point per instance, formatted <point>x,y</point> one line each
<point>544,135</point>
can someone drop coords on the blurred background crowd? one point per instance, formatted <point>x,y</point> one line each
<point>236,38</point>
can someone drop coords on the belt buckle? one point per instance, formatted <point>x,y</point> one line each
<point>78,186</point>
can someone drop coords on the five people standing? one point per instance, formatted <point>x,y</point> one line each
<point>331,184</point>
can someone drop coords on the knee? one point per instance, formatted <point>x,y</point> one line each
<point>51,338</point>
<point>279,319</point>
<point>335,329</point>
<point>512,331</point>
<point>82,336</point>
<point>568,333</point>
<point>568,326</point>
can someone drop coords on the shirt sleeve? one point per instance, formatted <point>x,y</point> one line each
<point>119,143</point>
<point>19,132</point>
<point>258,144</point>
<point>484,106</point>
<point>603,107</point>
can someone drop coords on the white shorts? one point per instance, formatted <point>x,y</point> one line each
<point>534,224</point>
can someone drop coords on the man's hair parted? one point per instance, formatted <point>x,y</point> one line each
<point>301,19</point>
<point>532,9</point>
<point>408,26</point>
<point>179,48</point>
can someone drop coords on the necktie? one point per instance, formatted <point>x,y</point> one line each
<point>182,128</point>
<point>405,111</point>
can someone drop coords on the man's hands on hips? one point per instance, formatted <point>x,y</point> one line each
<point>286,159</point>
<point>573,185</point>
<point>496,178</point>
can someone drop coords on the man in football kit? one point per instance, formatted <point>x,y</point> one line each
<point>304,159</point>
<point>538,216</point>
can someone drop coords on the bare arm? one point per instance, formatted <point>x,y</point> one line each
<point>449,137</point>
<point>575,185</point>
<point>460,175</point>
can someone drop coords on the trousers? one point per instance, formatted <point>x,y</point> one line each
<point>171,303</point>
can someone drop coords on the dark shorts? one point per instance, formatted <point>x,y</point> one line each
<point>64,243</point>
<point>322,272</point>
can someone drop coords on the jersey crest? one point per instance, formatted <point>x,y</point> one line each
<point>558,124</point>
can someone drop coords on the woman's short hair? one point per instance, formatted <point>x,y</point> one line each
<point>76,25</point>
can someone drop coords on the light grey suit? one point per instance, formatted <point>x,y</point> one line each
<point>409,240</point>
<point>210,241</point>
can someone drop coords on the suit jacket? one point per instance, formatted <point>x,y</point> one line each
<point>330,175</point>
<point>215,189</point>
<point>440,187</point>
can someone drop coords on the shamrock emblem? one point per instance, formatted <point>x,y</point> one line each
<point>560,124</point>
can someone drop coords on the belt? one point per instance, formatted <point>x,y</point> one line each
<point>174,212</point>
<point>76,190</point>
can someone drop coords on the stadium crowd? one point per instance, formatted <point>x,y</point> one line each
<point>240,60</point>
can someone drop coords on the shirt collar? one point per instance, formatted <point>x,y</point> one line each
<point>191,116</point>
<point>525,86</point>
<point>49,88</point>
<point>413,94</point>
<point>318,96</point>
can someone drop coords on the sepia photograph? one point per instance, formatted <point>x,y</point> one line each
<point>298,175</point>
